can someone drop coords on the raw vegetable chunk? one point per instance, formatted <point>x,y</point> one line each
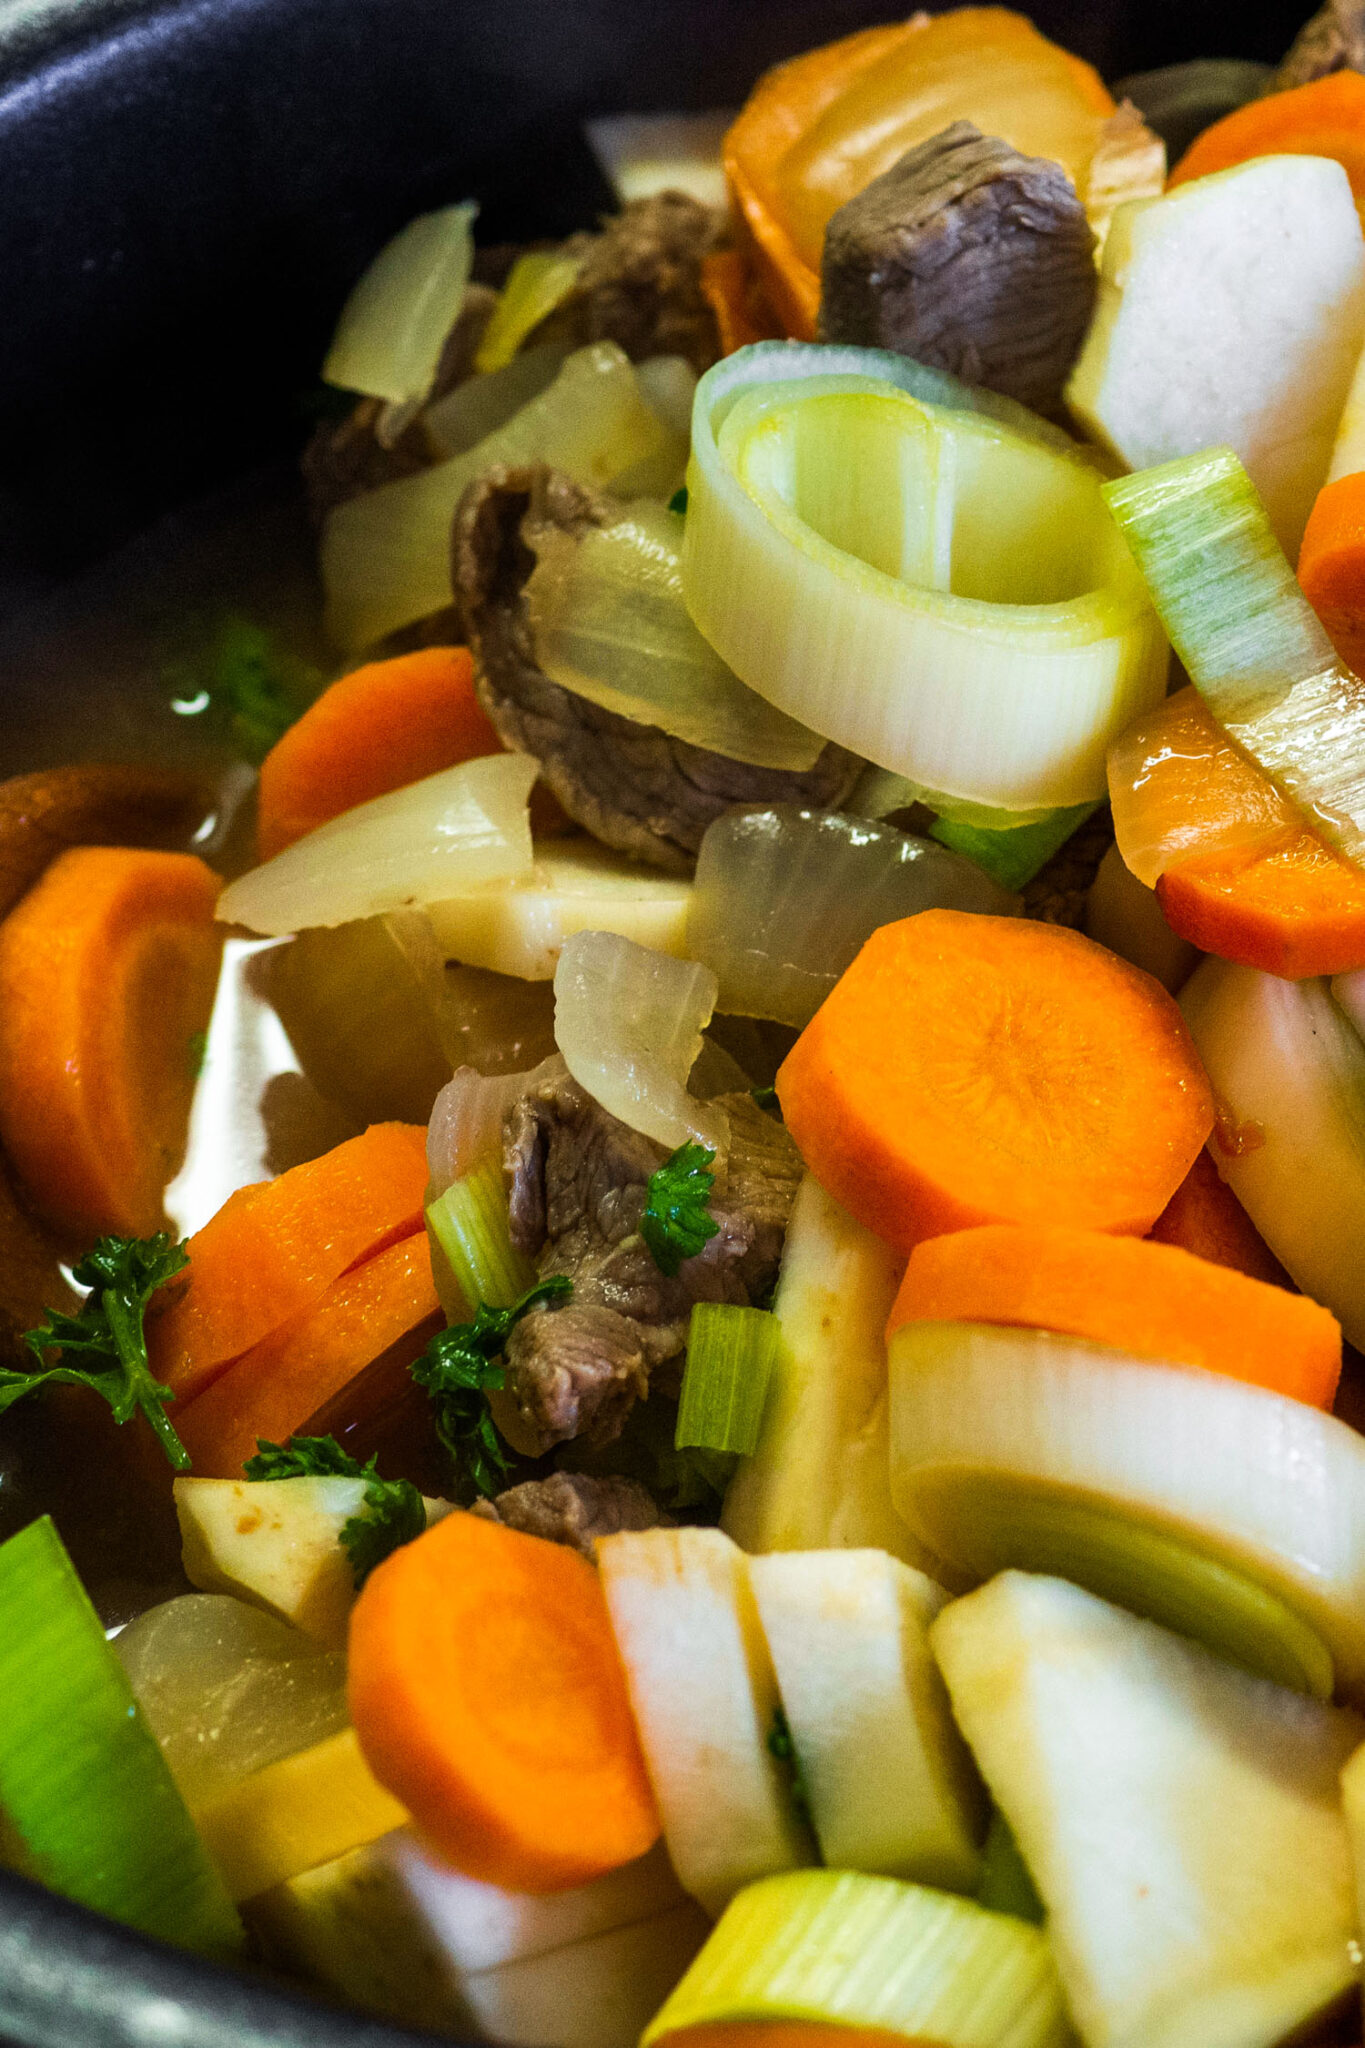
<point>890,1786</point>
<point>705,1699</point>
<point>1231,313</point>
<point>1180,1819</point>
<point>974,1070</point>
<point>84,1789</point>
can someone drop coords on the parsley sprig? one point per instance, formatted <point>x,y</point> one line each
<point>122,1273</point>
<point>461,1367</point>
<point>677,1220</point>
<point>394,1511</point>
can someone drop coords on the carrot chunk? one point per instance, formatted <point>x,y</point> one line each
<point>275,1248</point>
<point>1151,1299</point>
<point>107,972</point>
<point>488,1695</point>
<point>1323,118</point>
<point>276,1386</point>
<point>1332,560</point>
<point>974,1070</point>
<point>377,729</point>
<point>731,291</point>
<point>1203,1216</point>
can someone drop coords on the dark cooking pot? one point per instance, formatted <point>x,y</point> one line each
<point>186,191</point>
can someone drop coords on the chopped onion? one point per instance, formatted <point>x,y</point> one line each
<point>1248,636</point>
<point>392,329</point>
<point>537,283</point>
<point>467,824</point>
<point>385,555</point>
<point>785,898</point>
<point>466,1120</point>
<point>938,589</point>
<point>1290,1074</point>
<point>476,408</point>
<point>609,622</point>
<point>629,1023</point>
<point>519,927</point>
<point>669,384</point>
<point>1225,1511</point>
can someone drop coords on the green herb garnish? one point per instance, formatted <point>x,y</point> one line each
<point>122,1273</point>
<point>766,1098</point>
<point>394,1511</point>
<point>461,1366</point>
<point>195,1053</point>
<point>677,1220</point>
<point>247,679</point>
<point>781,1746</point>
<point>678,502</point>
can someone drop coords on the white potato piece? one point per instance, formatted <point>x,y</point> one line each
<point>1231,313</point>
<point>1353,1807</point>
<point>890,1783</point>
<point>702,1687</point>
<point>1181,1820</point>
<point>519,926</point>
<point>277,1543</point>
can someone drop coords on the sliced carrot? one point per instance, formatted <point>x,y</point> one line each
<point>1203,1216</point>
<point>731,291</point>
<point>1332,559</point>
<point>1323,118</point>
<point>1151,1299</point>
<point>488,1695</point>
<point>107,972</point>
<point>274,1249</point>
<point>377,729</point>
<point>974,1070</point>
<point>276,1386</point>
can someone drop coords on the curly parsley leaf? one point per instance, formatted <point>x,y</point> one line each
<point>122,1273</point>
<point>783,1748</point>
<point>305,1457</point>
<point>677,1220</point>
<point>394,1511</point>
<point>461,1367</point>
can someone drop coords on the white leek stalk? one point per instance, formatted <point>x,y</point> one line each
<point>1290,1073</point>
<point>467,824</point>
<point>938,589</point>
<point>866,1952</point>
<point>1248,636</point>
<point>629,1023</point>
<point>1227,1512</point>
<point>537,283</point>
<point>393,327</point>
<point>385,555</point>
<point>609,623</point>
<point>785,898</point>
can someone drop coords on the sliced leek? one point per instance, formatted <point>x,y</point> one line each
<point>849,1950</point>
<point>393,327</point>
<point>629,1023</point>
<point>473,410</point>
<point>469,1222</point>
<point>937,588</point>
<point>1225,1511</point>
<point>537,282</point>
<point>1248,636</point>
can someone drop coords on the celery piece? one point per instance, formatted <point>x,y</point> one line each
<point>83,1783</point>
<point>731,1352</point>
<point>536,284</point>
<point>470,1224</point>
<point>1014,854</point>
<point>1006,1886</point>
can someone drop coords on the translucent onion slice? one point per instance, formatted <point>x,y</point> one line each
<point>466,1120</point>
<point>609,623</point>
<point>629,1023</point>
<point>466,825</point>
<point>1227,1512</point>
<point>784,899</point>
<point>1248,636</point>
<point>537,282</point>
<point>385,556</point>
<point>393,327</point>
<point>1289,1071</point>
<point>938,590</point>
<point>480,405</point>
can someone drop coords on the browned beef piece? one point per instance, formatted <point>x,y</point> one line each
<point>970,258</point>
<point>577,1180</point>
<point>640,285</point>
<point>1333,40</point>
<point>632,786</point>
<point>573,1508</point>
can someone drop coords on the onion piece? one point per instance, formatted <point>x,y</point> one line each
<point>784,899</point>
<point>669,384</point>
<point>393,327</point>
<point>1290,1073</point>
<point>476,408</point>
<point>645,153</point>
<point>629,1023</point>
<point>385,555</point>
<point>466,1120</point>
<point>938,590</point>
<point>467,824</point>
<point>1241,810</point>
<point>537,282</point>
<point>609,623</point>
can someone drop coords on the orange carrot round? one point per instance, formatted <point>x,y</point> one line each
<point>377,729</point>
<point>1203,1216</point>
<point>1324,118</point>
<point>1293,908</point>
<point>488,1695</point>
<point>1332,559</point>
<point>731,291</point>
<point>1154,1300</point>
<point>974,1070</point>
<point>107,973</point>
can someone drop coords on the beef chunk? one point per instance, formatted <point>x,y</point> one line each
<point>970,258</point>
<point>577,1180</point>
<point>573,1508</point>
<point>1333,40</point>
<point>632,786</point>
<point>640,285</point>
